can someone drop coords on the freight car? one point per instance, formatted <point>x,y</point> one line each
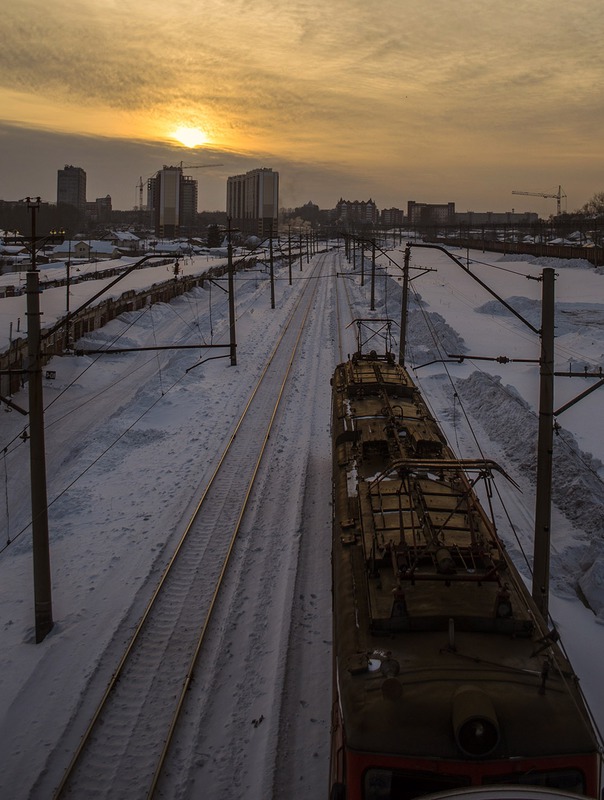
<point>445,674</point>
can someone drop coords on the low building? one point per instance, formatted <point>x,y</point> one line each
<point>392,217</point>
<point>476,218</point>
<point>350,213</point>
<point>125,241</point>
<point>78,249</point>
<point>430,213</point>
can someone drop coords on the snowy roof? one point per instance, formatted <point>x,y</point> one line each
<point>95,245</point>
<point>122,236</point>
<point>12,249</point>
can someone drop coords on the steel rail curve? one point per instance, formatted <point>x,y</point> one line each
<point>85,739</point>
<point>181,700</point>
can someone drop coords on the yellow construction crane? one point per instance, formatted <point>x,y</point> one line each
<point>560,194</point>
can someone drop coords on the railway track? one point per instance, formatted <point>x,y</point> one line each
<point>126,743</point>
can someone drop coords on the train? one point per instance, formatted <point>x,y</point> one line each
<point>446,677</point>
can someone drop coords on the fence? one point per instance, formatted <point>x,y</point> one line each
<point>595,255</point>
<point>13,361</point>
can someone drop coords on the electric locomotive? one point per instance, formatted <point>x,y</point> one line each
<point>445,674</point>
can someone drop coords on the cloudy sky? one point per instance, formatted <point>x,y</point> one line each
<point>443,100</point>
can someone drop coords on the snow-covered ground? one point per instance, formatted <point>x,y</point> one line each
<point>130,439</point>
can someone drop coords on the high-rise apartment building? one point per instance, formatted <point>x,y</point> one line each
<point>173,198</point>
<point>253,201</point>
<point>188,204</point>
<point>71,187</point>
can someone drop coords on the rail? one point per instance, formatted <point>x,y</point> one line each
<point>132,682</point>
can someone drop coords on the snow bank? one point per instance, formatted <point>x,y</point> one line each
<point>576,487</point>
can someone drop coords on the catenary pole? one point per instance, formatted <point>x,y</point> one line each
<point>373,274</point>
<point>404,303</point>
<point>232,337</point>
<point>37,453</point>
<point>543,500</point>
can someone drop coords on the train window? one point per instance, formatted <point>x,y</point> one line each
<point>569,780</point>
<point>388,784</point>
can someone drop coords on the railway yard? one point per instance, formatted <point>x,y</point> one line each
<point>190,524</point>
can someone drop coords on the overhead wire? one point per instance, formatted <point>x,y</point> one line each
<point>86,401</point>
<point>99,457</point>
<point>8,539</point>
<point>457,399</point>
<point>157,351</point>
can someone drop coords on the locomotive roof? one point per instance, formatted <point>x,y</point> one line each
<point>428,607</point>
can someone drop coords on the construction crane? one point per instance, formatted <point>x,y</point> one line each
<point>182,165</point>
<point>557,196</point>
<point>139,186</point>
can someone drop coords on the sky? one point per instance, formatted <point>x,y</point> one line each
<point>392,100</point>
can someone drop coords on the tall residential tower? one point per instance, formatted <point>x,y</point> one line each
<point>173,199</point>
<point>253,201</point>
<point>71,187</point>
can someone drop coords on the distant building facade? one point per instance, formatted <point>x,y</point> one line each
<point>253,201</point>
<point>188,204</point>
<point>71,187</point>
<point>430,213</point>
<point>496,217</point>
<point>356,212</point>
<point>99,210</point>
<point>172,197</point>
<point>392,217</point>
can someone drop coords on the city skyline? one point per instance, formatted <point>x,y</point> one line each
<point>461,102</point>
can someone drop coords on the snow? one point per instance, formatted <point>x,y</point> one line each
<point>131,438</point>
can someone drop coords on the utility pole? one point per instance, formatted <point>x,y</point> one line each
<point>37,455</point>
<point>67,288</point>
<point>543,499</point>
<point>233,342</point>
<point>373,274</point>
<point>545,443</point>
<point>404,303</point>
<point>272,266</point>
<point>289,253</point>
<point>300,249</point>
<point>362,250</point>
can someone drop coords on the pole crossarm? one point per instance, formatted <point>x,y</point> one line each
<point>477,279</point>
<point>87,352</point>
<point>68,318</point>
<point>579,396</point>
<point>461,357</point>
<point>10,403</point>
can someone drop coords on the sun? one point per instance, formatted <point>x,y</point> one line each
<point>190,137</point>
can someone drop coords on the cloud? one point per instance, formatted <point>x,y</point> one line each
<point>382,89</point>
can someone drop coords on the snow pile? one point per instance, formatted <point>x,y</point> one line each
<point>431,338</point>
<point>549,261</point>
<point>568,316</point>
<point>576,487</point>
<point>591,584</point>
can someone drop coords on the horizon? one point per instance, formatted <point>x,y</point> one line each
<point>443,103</point>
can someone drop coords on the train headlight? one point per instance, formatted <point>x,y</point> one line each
<point>475,722</point>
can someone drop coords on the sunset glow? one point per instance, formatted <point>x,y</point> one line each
<point>190,137</point>
<point>433,101</point>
